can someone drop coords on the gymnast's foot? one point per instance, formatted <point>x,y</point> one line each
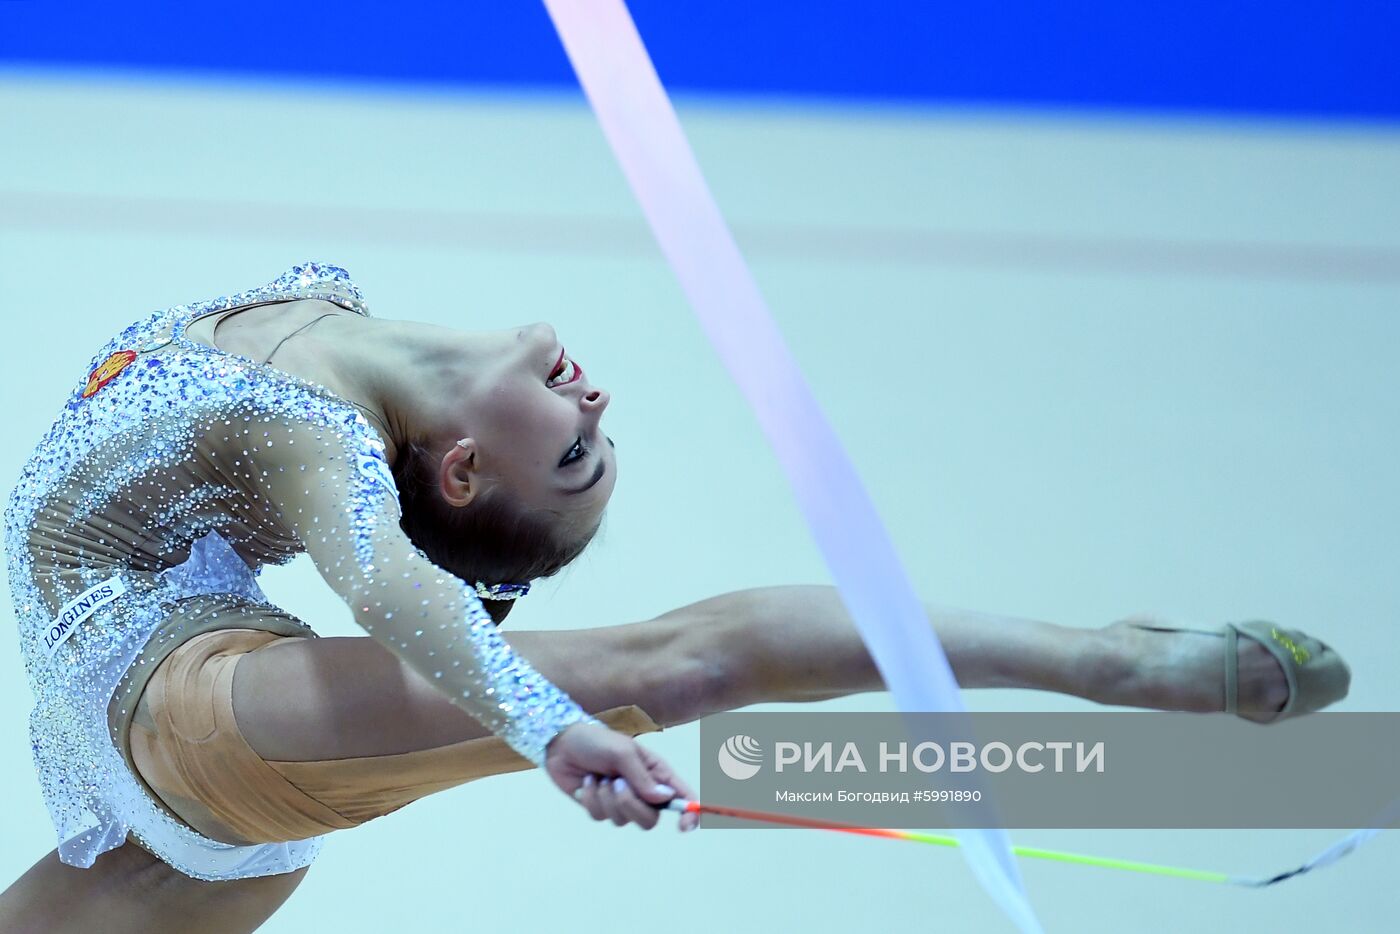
<point>1186,671</point>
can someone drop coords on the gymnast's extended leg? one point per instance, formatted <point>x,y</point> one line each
<point>303,700</point>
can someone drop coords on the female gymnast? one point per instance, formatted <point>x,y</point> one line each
<point>195,743</point>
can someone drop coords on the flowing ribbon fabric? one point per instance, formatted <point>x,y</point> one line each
<point>640,125</point>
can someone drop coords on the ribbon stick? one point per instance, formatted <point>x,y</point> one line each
<point>1326,858</point>
<point>937,839</point>
<point>640,125</point>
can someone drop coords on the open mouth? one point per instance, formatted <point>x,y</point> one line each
<point>564,372</point>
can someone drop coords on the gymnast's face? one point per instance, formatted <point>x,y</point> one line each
<point>533,422</point>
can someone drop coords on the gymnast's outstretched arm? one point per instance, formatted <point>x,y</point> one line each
<point>341,504</point>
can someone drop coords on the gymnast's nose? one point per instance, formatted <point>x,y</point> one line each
<point>594,401</point>
<point>545,332</point>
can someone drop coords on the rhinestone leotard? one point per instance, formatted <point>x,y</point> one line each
<point>175,469</point>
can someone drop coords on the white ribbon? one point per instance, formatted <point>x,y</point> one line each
<point>641,126</point>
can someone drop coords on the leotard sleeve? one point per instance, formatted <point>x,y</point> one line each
<point>338,498</point>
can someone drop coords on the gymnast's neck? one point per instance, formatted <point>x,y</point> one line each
<point>412,376</point>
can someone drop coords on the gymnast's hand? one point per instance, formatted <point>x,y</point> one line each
<point>614,777</point>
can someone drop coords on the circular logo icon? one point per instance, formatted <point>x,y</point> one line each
<point>740,757</point>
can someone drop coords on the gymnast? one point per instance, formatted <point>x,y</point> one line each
<point>195,743</point>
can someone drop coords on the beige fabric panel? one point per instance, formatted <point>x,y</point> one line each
<point>362,789</point>
<point>191,617</point>
<point>195,761</point>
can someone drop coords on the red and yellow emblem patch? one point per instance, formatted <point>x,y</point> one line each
<point>108,371</point>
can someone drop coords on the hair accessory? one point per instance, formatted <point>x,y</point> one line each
<point>501,591</point>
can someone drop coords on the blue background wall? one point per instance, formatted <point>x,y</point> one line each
<point>1317,59</point>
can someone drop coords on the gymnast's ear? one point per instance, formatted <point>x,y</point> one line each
<point>459,478</point>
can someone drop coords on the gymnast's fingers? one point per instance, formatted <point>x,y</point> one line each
<point>587,795</point>
<point>633,808</point>
<point>607,797</point>
<point>674,785</point>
